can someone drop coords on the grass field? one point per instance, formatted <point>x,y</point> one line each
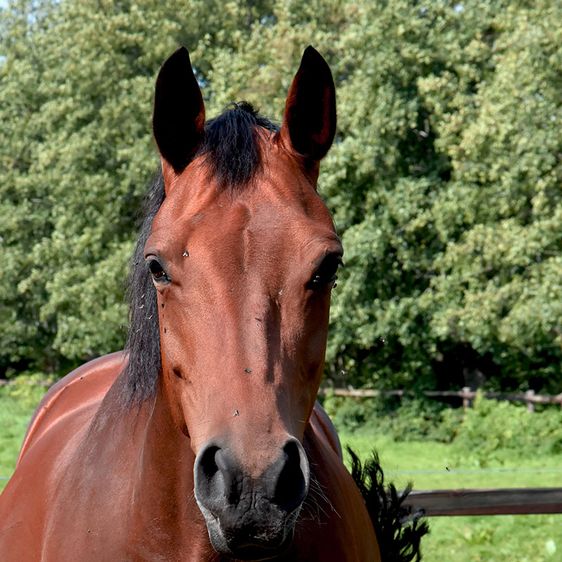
<point>533,538</point>
<point>15,412</point>
<point>431,465</point>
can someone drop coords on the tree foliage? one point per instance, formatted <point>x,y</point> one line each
<point>444,179</point>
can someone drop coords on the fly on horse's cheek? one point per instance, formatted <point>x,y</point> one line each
<point>203,440</point>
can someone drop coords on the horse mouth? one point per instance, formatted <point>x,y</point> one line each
<point>251,543</point>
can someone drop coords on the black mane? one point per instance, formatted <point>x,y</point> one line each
<point>231,148</point>
<point>232,155</point>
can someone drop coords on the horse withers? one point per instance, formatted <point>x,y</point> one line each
<point>202,441</point>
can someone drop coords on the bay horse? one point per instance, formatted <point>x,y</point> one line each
<point>203,441</point>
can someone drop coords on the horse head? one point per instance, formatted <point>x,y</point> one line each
<point>243,255</point>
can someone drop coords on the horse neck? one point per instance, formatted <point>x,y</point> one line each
<point>164,483</point>
<point>159,459</point>
<point>165,457</point>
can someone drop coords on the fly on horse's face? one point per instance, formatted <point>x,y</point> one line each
<point>243,268</point>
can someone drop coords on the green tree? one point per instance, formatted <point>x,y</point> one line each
<point>454,269</point>
<point>76,84</point>
<point>497,285</point>
<point>444,179</point>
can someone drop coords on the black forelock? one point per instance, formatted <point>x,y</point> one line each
<point>231,148</point>
<point>231,152</point>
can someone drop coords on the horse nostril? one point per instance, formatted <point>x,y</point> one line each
<point>217,478</point>
<point>209,484</point>
<point>221,483</point>
<point>291,486</point>
<point>207,462</point>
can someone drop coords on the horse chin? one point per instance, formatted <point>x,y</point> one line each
<point>249,544</point>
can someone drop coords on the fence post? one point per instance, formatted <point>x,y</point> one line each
<point>529,394</point>
<point>466,401</point>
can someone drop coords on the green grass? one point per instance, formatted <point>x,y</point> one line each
<point>532,538</point>
<point>15,414</point>
<point>517,538</point>
<point>429,465</point>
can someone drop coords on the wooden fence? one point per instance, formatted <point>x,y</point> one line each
<point>498,501</point>
<point>466,395</point>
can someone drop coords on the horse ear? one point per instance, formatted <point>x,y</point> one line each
<point>178,120</point>
<point>309,121</point>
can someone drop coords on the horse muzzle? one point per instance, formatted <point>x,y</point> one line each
<point>251,518</point>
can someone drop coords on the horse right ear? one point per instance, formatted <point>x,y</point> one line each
<point>178,120</point>
<point>309,121</point>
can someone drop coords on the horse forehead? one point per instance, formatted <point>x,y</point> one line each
<point>279,208</point>
<point>251,231</point>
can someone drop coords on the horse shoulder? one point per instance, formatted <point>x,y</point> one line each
<point>324,426</point>
<point>81,389</point>
<point>61,419</point>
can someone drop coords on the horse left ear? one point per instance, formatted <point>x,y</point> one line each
<point>178,120</point>
<point>309,121</point>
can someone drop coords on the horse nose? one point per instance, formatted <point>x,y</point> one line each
<point>220,480</point>
<point>250,512</point>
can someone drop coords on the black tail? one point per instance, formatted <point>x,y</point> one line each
<point>399,530</point>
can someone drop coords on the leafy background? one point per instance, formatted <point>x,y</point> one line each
<point>444,180</point>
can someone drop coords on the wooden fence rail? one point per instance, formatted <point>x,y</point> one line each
<point>500,501</point>
<point>466,395</point>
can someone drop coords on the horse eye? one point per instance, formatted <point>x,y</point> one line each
<point>157,271</point>
<point>326,273</point>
